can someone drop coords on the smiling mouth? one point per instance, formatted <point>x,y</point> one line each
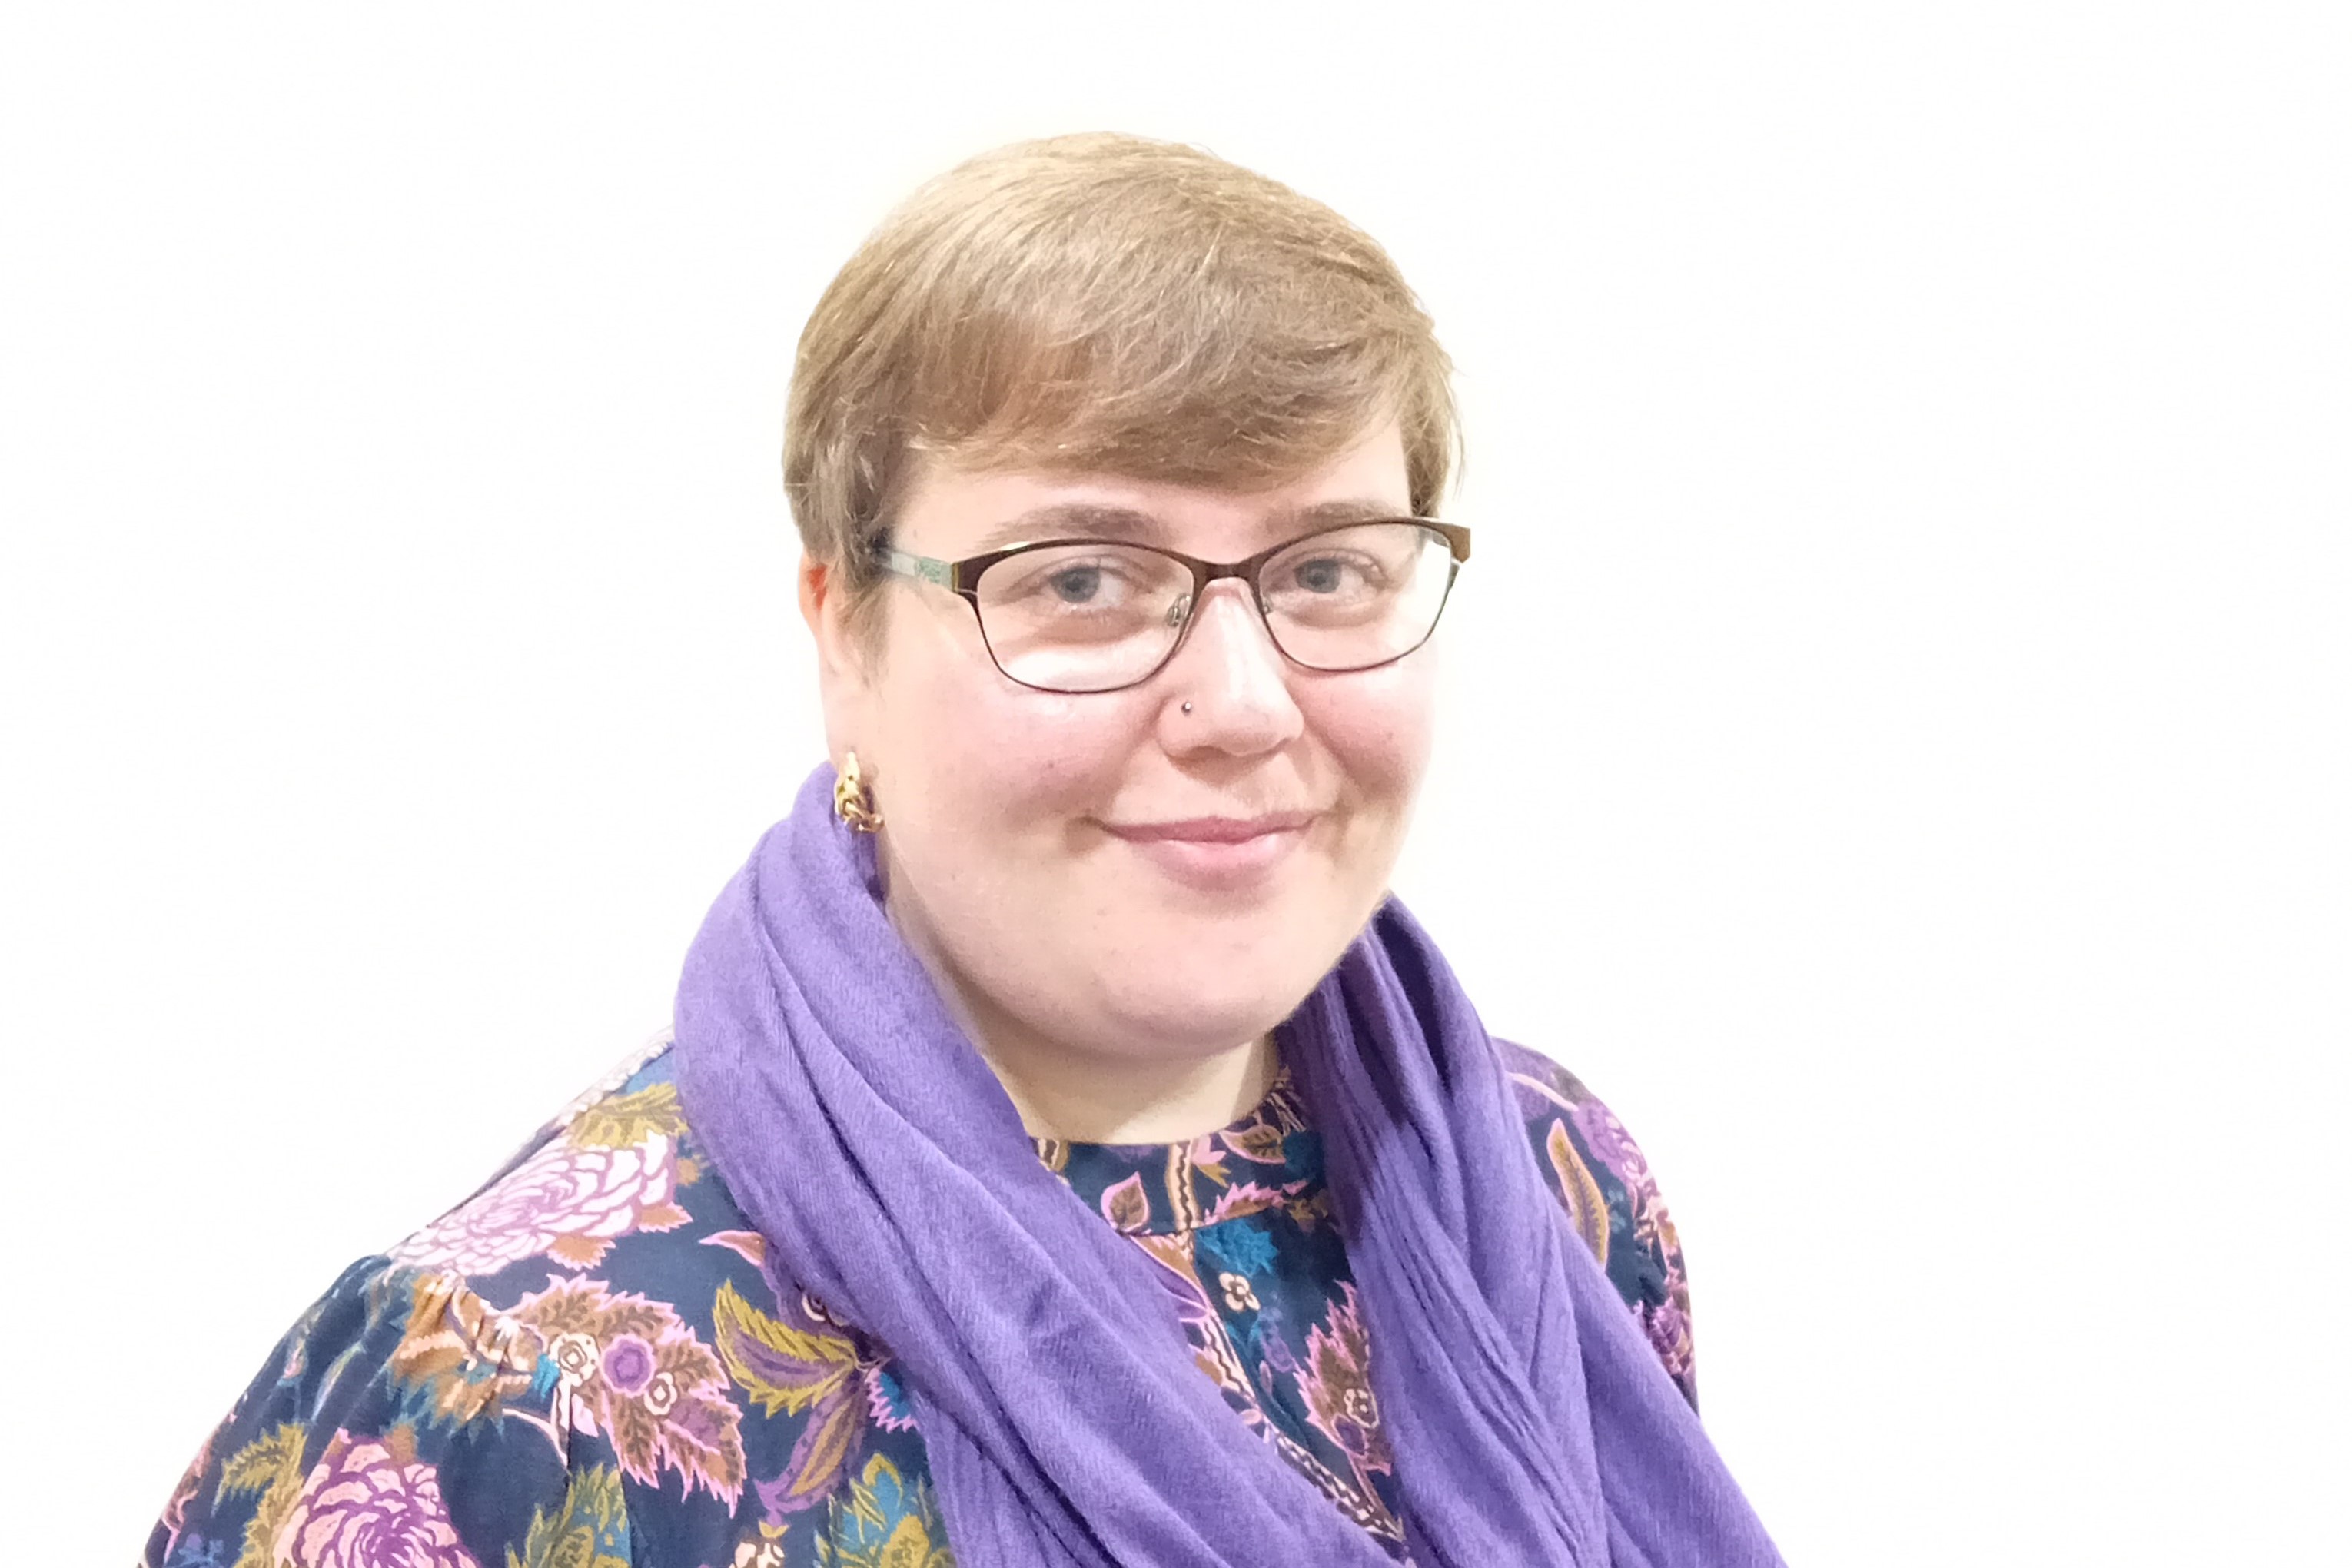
<point>1217,854</point>
<point>1211,829</point>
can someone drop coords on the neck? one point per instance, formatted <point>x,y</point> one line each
<point>1089,1098</point>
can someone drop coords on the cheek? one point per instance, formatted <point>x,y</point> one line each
<point>1377,727</point>
<point>966,746</point>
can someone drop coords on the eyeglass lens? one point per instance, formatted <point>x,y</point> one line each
<point>1091,617</point>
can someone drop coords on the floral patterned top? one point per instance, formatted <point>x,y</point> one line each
<point>584,1366</point>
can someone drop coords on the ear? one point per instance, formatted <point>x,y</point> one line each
<point>843,668</point>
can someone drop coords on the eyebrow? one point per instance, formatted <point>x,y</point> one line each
<point>1088,519</point>
<point>1073,520</point>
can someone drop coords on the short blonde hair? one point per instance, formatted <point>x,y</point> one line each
<point>1108,303</point>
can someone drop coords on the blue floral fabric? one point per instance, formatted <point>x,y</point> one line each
<point>584,1366</point>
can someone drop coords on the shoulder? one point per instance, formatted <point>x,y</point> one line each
<point>614,1167</point>
<point>585,1361</point>
<point>1611,1197</point>
<point>348,1425</point>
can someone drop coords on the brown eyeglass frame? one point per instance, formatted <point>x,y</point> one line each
<point>962,578</point>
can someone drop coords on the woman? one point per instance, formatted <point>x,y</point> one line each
<point>1066,1153</point>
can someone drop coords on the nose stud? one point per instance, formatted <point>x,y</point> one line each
<point>1184,708</point>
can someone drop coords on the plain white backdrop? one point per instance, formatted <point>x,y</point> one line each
<point>1899,743</point>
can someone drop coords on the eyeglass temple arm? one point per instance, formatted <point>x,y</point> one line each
<point>1456,537</point>
<point>925,567</point>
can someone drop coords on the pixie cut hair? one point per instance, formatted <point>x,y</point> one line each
<point>1109,304</point>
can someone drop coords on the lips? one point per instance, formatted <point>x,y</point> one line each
<point>1212,829</point>
<point>1217,854</point>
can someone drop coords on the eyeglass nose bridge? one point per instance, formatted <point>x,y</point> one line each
<point>1184,609</point>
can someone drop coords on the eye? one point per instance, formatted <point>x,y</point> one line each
<point>1076,584</point>
<point>1327,574</point>
<point>1321,575</point>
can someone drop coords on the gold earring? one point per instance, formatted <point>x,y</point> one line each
<point>852,801</point>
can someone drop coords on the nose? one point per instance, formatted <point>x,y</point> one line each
<point>1236,680</point>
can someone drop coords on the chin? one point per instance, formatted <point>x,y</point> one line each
<point>1208,1008</point>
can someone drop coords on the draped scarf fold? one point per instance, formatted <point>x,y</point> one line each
<point>1064,1417</point>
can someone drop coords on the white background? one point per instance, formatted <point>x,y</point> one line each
<point>1898,741</point>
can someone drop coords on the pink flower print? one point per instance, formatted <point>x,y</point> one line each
<point>634,1372</point>
<point>567,1200</point>
<point>369,1504</point>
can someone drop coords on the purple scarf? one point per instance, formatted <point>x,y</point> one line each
<point>1065,1420</point>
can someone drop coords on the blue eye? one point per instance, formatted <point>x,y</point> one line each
<point>1319,576</point>
<point>1076,584</point>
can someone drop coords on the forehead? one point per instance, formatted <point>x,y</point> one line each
<point>951,511</point>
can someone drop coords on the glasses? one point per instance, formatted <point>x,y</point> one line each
<point>1101,615</point>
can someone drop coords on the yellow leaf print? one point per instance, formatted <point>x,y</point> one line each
<point>626,1120</point>
<point>782,1367</point>
<point>909,1546</point>
<point>1586,1207</point>
<point>592,1530</point>
<point>885,1523</point>
<point>272,1466</point>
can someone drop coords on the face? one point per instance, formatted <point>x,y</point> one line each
<point>1164,871</point>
